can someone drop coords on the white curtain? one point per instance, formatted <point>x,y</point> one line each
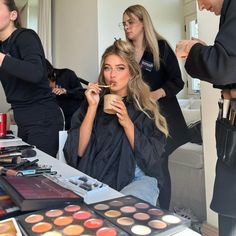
<point>44,27</point>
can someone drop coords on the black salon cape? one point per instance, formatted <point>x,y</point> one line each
<point>217,64</point>
<point>169,78</point>
<point>109,156</point>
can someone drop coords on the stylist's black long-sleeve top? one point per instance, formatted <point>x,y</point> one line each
<point>216,64</point>
<point>23,72</point>
<point>169,78</point>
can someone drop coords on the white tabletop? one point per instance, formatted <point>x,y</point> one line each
<point>67,171</point>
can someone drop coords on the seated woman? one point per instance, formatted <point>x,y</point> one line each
<point>68,90</point>
<point>121,150</point>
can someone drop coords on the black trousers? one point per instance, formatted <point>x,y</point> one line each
<point>165,189</point>
<point>227,226</point>
<point>41,129</point>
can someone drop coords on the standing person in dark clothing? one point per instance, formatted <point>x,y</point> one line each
<point>23,75</point>
<point>216,64</point>
<point>162,73</point>
<point>68,90</point>
<point>123,149</point>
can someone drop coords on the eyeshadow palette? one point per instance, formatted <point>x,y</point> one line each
<point>138,217</point>
<point>37,192</point>
<point>71,220</point>
<point>9,227</point>
<point>7,207</point>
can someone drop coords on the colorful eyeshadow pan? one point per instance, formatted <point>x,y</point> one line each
<point>54,213</point>
<point>101,207</point>
<point>63,220</point>
<point>155,212</point>
<point>141,230</point>
<point>141,205</point>
<point>73,230</point>
<point>34,219</point>
<point>106,232</point>
<point>82,215</point>
<point>128,209</point>
<point>93,223</point>
<point>157,224</point>
<point>113,213</point>
<point>125,221</point>
<point>116,203</point>
<point>41,227</point>
<point>129,200</point>
<point>141,216</point>
<point>72,208</point>
<point>171,219</point>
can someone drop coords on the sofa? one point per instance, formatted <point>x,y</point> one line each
<point>186,167</point>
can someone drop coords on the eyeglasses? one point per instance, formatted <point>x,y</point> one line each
<point>128,23</point>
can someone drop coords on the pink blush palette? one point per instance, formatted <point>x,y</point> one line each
<point>71,220</point>
<point>138,217</point>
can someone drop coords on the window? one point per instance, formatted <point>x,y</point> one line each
<point>191,30</point>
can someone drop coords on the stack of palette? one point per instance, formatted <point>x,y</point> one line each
<point>126,215</point>
<point>7,207</point>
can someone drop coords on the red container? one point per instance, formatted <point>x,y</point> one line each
<point>3,124</point>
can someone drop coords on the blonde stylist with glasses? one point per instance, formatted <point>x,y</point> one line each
<point>162,73</point>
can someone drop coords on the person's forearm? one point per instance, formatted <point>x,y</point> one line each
<point>30,70</point>
<point>129,131</point>
<point>157,94</point>
<point>86,129</point>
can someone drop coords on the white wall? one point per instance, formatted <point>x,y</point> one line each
<point>167,17</point>
<point>75,36</point>
<point>209,97</point>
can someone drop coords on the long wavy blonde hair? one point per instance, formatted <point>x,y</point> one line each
<point>138,91</point>
<point>151,36</point>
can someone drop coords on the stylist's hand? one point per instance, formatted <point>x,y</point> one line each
<point>2,56</point>
<point>122,113</point>
<point>159,93</point>
<point>59,91</point>
<point>183,47</point>
<point>92,94</point>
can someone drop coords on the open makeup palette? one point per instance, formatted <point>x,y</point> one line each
<point>138,217</point>
<point>71,220</point>
<point>37,192</point>
<point>126,215</point>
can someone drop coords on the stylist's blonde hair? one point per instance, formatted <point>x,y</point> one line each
<point>138,91</point>
<point>151,37</point>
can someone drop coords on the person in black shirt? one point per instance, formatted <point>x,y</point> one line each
<point>24,79</point>
<point>68,90</point>
<point>161,72</point>
<point>216,64</point>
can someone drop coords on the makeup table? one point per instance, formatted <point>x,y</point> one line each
<point>67,171</point>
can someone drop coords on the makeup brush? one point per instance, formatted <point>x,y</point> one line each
<point>104,86</point>
<point>11,160</point>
